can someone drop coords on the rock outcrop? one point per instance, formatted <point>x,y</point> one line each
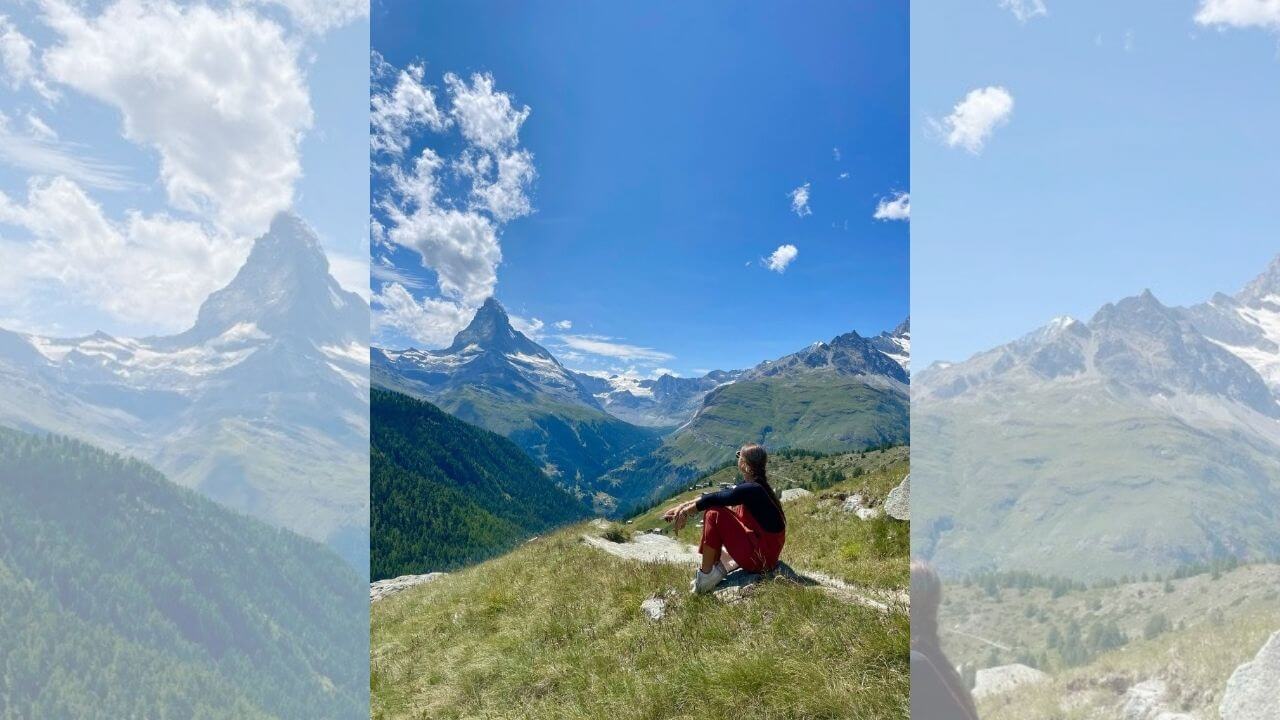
<point>898,504</point>
<point>382,588</point>
<point>1003,678</point>
<point>1253,692</point>
<point>794,494</point>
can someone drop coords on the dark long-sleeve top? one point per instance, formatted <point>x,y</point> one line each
<point>755,497</point>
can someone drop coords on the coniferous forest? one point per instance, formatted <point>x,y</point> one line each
<point>125,595</point>
<point>446,494</point>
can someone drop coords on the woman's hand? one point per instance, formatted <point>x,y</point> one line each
<point>676,514</point>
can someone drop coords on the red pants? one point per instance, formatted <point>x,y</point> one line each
<point>741,536</point>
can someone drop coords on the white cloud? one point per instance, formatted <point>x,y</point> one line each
<point>488,119</point>
<point>781,258</point>
<point>1024,10</point>
<point>976,117</point>
<point>563,325</point>
<point>432,321</point>
<point>351,272</point>
<point>407,106</point>
<point>1240,13</point>
<point>844,176</point>
<point>505,196</point>
<point>897,208</point>
<point>1128,42</point>
<point>835,153</point>
<point>450,211</point>
<point>609,347</point>
<point>17,61</point>
<point>216,92</point>
<point>321,16</point>
<point>800,200</point>
<point>38,151</point>
<point>531,327</point>
<point>147,269</point>
<point>461,247</point>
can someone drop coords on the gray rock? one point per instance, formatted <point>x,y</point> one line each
<point>853,503</point>
<point>1145,701</point>
<point>898,504</point>
<point>1003,678</point>
<point>654,608</point>
<point>382,588</point>
<point>1251,692</point>
<point>866,513</point>
<point>794,494</point>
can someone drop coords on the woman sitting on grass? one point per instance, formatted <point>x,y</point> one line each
<point>746,520</point>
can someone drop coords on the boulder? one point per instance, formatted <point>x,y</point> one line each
<point>794,494</point>
<point>1251,692</point>
<point>898,504</point>
<point>1003,678</point>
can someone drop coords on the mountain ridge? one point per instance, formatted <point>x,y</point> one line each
<point>1135,439</point>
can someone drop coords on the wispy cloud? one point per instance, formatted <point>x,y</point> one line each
<point>896,208</point>
<point>39,151</point>
<point>605,346</point>
<point>781,258</point>
<point>800,200</point>
<point>564,325</point>
<point>974,119</point>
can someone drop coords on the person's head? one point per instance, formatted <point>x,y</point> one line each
<point>926,597</point>
<point>752,460</point>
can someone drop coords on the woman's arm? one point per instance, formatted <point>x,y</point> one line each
<point>676,514</point>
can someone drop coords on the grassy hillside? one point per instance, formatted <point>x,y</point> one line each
<point>124,595</point>
<point>1096,642</point>
<point>446,494</point>
<point>554,629</point>
<point>818,411</point>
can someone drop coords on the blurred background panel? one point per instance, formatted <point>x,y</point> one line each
<point>184,352</point>
<point>1096,292</point>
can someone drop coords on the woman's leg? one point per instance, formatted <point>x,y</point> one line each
<point>721,528</point>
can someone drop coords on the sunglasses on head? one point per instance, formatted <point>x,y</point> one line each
<point>738,454</point>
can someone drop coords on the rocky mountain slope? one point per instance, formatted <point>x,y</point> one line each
<point>663,402</point>
<point>609,439</point>
<point>261,405</point>
<point>495,377</point>
<point>1143,439</point>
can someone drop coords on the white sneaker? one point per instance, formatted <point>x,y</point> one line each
<point>706,582</point>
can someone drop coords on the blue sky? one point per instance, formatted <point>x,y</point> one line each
<point>1140,153</point>
<point>666,139</point>
<point>135,172</point>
